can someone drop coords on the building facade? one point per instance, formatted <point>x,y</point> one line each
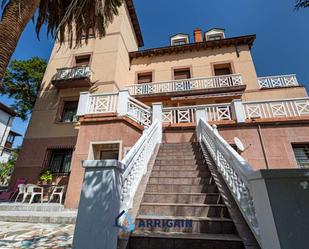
<point>7,136</point>
<point>96,101</point>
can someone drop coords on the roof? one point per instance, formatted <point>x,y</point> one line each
<point>215,29</point>
<point>234,41</point>
<point>7,109</point>
<point>135,23</point>
<point>16,134</point>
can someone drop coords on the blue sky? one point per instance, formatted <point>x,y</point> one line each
<point>282,33</point>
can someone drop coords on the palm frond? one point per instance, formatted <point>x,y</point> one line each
<point>301,4</point>
<point>71,20</point>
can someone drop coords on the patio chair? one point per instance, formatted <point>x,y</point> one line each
<point>8,195</point>
<point>34,190</point>
<point>22,191</point>
<point>57,191</point>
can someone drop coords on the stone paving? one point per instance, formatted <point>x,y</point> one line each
<point>39,236</point>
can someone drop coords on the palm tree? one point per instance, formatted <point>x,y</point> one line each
<point>302,4</point>
<point>69,20</point>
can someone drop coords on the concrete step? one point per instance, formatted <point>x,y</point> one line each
<point>180,173</point>
<point>177,145</point>
<point>179,180</point>
<point>178,157</point>
<point>178,162</point>
<point>185,224</point>
<point>36,207</point>
<point>181,188</point>
<point>177,153</point>
<point>180,209</point>
<point>151,240</point>
<point>64,217</point>
<point>206,198</point>
<point>180,167</point>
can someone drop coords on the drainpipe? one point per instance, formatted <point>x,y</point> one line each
<point>263,146</point>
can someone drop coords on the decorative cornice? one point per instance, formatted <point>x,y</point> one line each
<point>234,41</point>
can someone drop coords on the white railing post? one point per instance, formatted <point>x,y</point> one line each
<point>157,114</point>
<point>238,111</point>
<point>122,105</point>
<point>200,113</point>
<point>82,104</point>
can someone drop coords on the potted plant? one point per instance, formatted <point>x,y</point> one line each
<point>46,177</point>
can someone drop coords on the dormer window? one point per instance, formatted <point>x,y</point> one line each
<point>214,34</point>
<point>179,39</point>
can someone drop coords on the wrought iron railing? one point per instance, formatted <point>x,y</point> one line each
<point>234,170</point>
<point>186,84</point>
<point>136,163</point>
<point>278,81</point>
<point>72,73</point>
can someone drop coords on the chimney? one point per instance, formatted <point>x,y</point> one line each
<point>198,37</point>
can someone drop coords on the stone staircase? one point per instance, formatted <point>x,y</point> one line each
<point>180,189</point>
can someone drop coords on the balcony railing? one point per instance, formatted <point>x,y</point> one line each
<point>282,108</point>
<point>187,114</point>
<point>278,81</point>
<point>102,103</point>
<point>186,84</point>
<point>72,73</point>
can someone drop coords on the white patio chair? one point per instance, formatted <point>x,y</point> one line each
<point>34,190</point>
<point>22,191</point>
<point>57,191</point>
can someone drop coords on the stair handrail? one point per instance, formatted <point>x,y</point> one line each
<point>139,112</point>
<point>234,170</point>
<point>136,162</point>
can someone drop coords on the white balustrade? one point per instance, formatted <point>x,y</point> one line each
<point>187,114</point>
<point>72,73</point>
<point>278,81</point>
<point>282,108</point>
<point>136,163</point>
<point>234,170</point>
<point>140,112</point>
<point>102,103</point>
<point>186,84</point>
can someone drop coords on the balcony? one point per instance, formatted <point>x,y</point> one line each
<point>72,77</point>
<point>192,86</point>
<point>278,81</point>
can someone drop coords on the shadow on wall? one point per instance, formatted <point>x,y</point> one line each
<point>39,137</point>
<point>99,206</point>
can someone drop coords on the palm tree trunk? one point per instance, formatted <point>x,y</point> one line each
<point>15,18</point>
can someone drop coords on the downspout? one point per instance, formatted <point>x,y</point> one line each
<point>263,146</point>
<point>6,128</point>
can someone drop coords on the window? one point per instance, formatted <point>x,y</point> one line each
<point>69,112</point>
<point>222,69</point>
<point>179,42</point>
<point>179,39</point>
<point>301,152</point>
<point>60,160</point>
<point>214,37</point>
<point>108,151</point>
<point>10,138</point>
<point>214,34</point>
<point>180,74</point>
<point>91,34</point>
<point>143,78</point>
<point>82,60</point>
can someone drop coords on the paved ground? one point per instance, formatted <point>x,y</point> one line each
<point>39,236</point>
